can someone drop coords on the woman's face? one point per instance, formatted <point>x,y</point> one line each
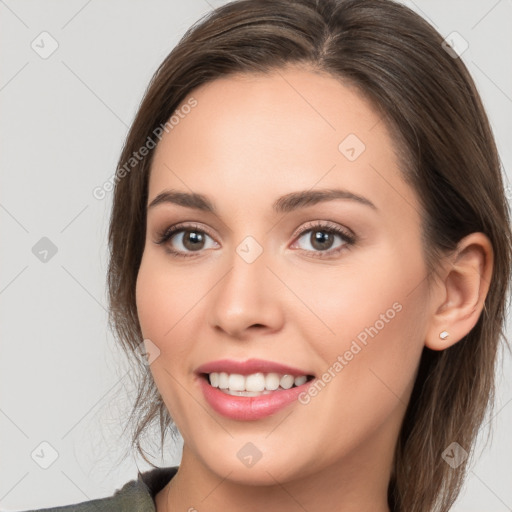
<point>265,277</point>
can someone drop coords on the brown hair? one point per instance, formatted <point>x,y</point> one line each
<point>429,101</point>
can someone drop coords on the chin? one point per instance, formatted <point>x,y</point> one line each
<point>268,470</point>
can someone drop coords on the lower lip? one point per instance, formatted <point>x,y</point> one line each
<point>247,408</point>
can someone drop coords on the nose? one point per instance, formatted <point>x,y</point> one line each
<point>247,299</point>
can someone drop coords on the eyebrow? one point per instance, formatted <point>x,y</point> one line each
<point>284,204</point>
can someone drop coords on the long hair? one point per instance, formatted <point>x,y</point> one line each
<point>429,101</point>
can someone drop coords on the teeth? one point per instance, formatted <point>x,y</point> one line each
<point>300,380</point>
<point>223,380</point>
<point>214,379</point>
<point>287,381</point>
<point>253,384</point>
<point>236,382</point>
<point>272,381</point>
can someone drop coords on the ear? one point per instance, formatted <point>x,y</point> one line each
<point>461,292</point>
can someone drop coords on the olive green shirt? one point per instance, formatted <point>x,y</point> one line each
<point>137,495</point>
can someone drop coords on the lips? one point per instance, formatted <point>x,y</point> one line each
<point>250,366</point>
<point>246,408</point>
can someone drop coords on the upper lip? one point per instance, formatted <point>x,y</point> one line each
<point>249,366</point>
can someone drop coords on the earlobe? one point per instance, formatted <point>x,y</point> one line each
<point>464,289</point>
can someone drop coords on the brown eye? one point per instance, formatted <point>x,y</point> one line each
<point>184,240</point>
<point>193,240</point>
<point>321,239</point>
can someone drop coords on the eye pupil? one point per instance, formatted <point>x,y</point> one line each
<point>192,240</point>
<point>321,239</point>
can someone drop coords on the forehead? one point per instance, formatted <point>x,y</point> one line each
<point>286,130</point>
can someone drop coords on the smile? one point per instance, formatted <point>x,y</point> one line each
<point>255,384</point>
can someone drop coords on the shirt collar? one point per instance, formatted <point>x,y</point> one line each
<point>156,479</point>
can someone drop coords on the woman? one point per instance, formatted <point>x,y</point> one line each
<point>331,346</point>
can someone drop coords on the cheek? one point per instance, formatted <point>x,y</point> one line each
<point>163,297</point>
<point>162,306</point>
<point>170,303</point>
<point>150,301</point>
<point>366,289</point>
<point>371,318</point>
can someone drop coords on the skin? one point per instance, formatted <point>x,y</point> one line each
<point>251,139</point>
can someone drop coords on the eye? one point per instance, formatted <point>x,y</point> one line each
<point>188,239</point>
<point>321,238</point>
<point>185,240</point>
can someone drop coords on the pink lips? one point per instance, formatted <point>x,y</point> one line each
<point>248,367</point>
<point>243,407</point>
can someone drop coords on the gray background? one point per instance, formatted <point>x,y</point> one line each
<point>62,379</point>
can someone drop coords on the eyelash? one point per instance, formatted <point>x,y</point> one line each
<point>347,237</point>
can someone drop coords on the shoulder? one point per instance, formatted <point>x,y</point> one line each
<point>135,496</point>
